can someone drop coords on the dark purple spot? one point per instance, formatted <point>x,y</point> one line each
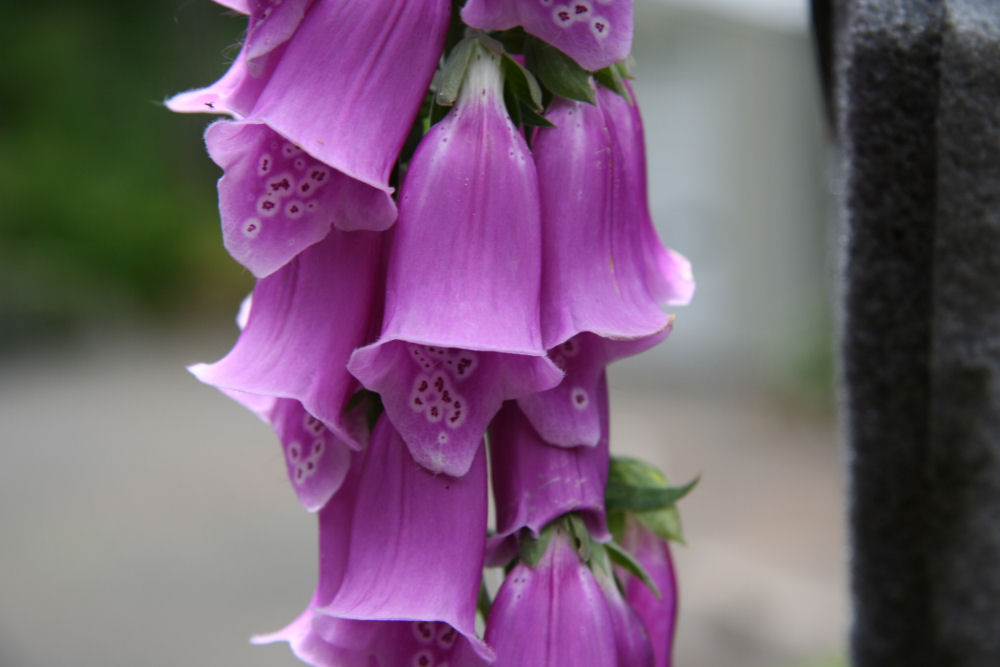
<point>582,9</point>
<point>267,205</point>
<point>564,16</point>
<point>599,26</point>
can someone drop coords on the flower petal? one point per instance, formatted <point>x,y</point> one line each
<point>349,84</point>
<point>595,33</point>
<point>304,322</point>
<point>658,615</point>
<point>570,414</point>
<point>416,541</point>
<point>605,269</point>
<point>276,200</point>
<point>554,614</point>
<point>632,644</point>
<point>463,281</point>
<point>535,482</point>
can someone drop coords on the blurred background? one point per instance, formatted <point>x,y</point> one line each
<point>145,519</point>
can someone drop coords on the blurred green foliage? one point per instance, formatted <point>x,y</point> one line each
<point>108,198</point>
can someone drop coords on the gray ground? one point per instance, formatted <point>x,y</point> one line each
<point>145,519</point>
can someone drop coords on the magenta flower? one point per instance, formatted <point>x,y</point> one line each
<point>570,413</point>
<point>605,269</point>
<point>658,614</point>
<point>401,553</point>
<point>461,332</point>
<point>595,33</point>
<point>534,482</point>
<point>304,322</point>
<point>552,614</point>
<point>325,116</point>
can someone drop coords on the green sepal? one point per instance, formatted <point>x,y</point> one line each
<point>521,82</point>
<point>532,549</point>
<point>581,536</point>
<point>483,602</point>
<point>513,105</point>
<point>449,79</point>
<point>558,72</point>
<point>611,77</point>
<point>635,485</point>
<point>529,117</point>
<point>512,40</point>
<point>367,402</point>
<point>624,559</point>
<point>665,522</point>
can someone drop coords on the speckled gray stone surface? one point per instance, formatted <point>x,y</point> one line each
<point>919,126</point>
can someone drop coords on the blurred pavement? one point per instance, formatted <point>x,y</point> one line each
<point>146,520</point>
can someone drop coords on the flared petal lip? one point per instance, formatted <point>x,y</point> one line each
<point>477,644</point>
<point>457,344</point>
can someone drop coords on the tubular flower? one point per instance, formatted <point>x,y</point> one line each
<point>383,597</point>
<point>605,270</point>
<point>312,90</point>
<point>461,331</point>
<point>595,33</point>
<point>534,482</point>
<point>304,322</point>
<point>658,614</point>
<point>552,614</point>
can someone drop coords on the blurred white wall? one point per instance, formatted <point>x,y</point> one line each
<point>736,156</point>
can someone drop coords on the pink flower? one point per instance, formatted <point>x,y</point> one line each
<point>461,331</point>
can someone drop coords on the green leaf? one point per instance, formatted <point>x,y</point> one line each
<point>611,77</point>
<point>635,485</point>
<point>624,559</point>
<point>578,529</point>
<point>512,40</point>
<point>513,105</point>
<point>558,72</point>
<point>483,602</point>
<point>529,117</point>
<point>449,79</point>
<point>533,549</point>
<point>521,82</point>
<point>665,522</point>
<point>616,524</point>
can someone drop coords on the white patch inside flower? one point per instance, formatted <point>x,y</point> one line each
<point>580,398</point>
<point>318,448</point>
<point>600,27</point>
<point>294,451</point>
<point>423,659</point>
<point>300,163</point>
<point>279,186</point>
<point>268,206</point>
<point>442,438</point>
<point>251,228</point>
<point>294,209</point>
<point>423,631</point>
<point>290,149</point>
<point>563,16</point>
<point>264,165</point>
